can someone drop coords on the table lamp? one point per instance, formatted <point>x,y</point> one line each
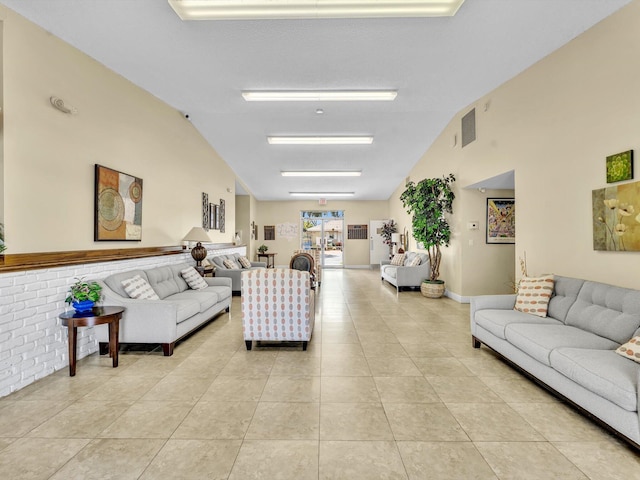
<point>395,240</point>
<point>199,253</point>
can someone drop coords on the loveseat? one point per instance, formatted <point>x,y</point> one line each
<point>178,311</point>
<point>404,275</point>
<point>233,273</point>
<point>573,351</point>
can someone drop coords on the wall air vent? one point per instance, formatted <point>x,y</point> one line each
<point>469,128</point>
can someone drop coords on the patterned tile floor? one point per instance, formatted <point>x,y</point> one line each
<point>390,388</point>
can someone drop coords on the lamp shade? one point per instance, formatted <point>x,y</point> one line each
<point>395,238</point>
<point>197,234</point>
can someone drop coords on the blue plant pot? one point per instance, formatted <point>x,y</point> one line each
<point>83,306</point>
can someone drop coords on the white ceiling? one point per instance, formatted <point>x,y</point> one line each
<point>438,66</point>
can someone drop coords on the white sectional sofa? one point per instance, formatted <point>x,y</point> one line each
<point>405,276</point>
<point>572,351</point>
<point>179,311</point>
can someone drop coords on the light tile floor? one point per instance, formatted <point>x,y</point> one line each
<point>390,388</point>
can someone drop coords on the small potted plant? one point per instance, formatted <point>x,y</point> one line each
<point>83,295</point>
<point>263,248</point>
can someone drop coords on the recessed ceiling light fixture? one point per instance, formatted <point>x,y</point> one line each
<point>322,173</point>
<point>319,140</point>
<point>320,95</point>
<point>283,9</point>
<point>322,194</point>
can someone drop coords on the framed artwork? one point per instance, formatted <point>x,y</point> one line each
<point>620,167</point>
<point>213,216</point>
<point>616,227</point>
<point>255,231</point>
<point>205,211</point>
<point>269,232</point>
<point>501,220</point>
<point>118,206</point>
<point>221,216</point>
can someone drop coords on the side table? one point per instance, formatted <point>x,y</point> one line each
<point>269,257</point>
<point>96,316</point>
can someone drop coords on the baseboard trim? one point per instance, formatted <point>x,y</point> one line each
<point>456,297</point>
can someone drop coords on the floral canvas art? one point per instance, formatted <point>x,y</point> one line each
<point>616,218</point>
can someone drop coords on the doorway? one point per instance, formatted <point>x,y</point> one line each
<point>378,250</point>
<point>324,232</point>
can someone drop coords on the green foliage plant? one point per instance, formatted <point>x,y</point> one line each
<point>82,290</point>
<point>263,248</point>
<point>427,202</point>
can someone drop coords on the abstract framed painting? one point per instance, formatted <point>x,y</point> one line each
<point>118,206</point>
<point>501,220</point>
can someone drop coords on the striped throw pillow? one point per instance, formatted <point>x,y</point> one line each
<point>415,261</point>
<point>534,294</point>
<point>231,265</point>
<point>244,261</point>
<point>398,259</point>
<point>139,289</point>
<point>193,278</point>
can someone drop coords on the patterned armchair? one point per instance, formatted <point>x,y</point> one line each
<point>277,305</point>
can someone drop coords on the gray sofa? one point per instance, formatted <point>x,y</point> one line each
<point>404,276</point>
<point>233,274</point>
<point>572,350</point>
<point>179,311</point>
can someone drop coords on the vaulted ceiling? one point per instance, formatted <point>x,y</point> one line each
<point>437,65</point>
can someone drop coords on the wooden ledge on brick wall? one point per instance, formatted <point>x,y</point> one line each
<point>34,261</point>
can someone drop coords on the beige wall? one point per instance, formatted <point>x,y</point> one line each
<point>554,124</point>
<point>49,157</point>
<point>356,252</point>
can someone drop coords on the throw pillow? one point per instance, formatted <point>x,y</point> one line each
<point>630,350</point>
<point>398,259</point>
<point>193,278</point>
<point>534,294</point>
<point>244,261</point>
<point>139,289</point>
<point>231,265</point>
<point>414,262</point>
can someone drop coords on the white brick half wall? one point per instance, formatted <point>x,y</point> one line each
<point>33,342</point>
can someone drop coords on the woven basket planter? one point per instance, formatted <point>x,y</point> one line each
<point>432,289</point>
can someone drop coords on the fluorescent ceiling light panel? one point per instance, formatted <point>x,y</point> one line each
<point>284,9</point>
<point>322,194</point>
<point>320,96</point>
<point>326,173</point>
<point>320,140</point>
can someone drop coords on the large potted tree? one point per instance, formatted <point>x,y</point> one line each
<point>427,202</point>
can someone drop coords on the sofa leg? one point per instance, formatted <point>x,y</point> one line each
<point>104,348</point>
<point>167,349</point>
<point>228,309</point>
<point>475,342</point>
<point>248,344</point>
<point>304,346</point>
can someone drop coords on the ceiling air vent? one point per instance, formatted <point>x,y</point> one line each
<point>469,128</point>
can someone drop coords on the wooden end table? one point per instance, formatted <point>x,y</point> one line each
<point>96,316</point>
<point>269,257</point>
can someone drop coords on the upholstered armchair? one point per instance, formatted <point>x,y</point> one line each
<point>304,262</point>
<point>316,262</point>
<point>277,305</point>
